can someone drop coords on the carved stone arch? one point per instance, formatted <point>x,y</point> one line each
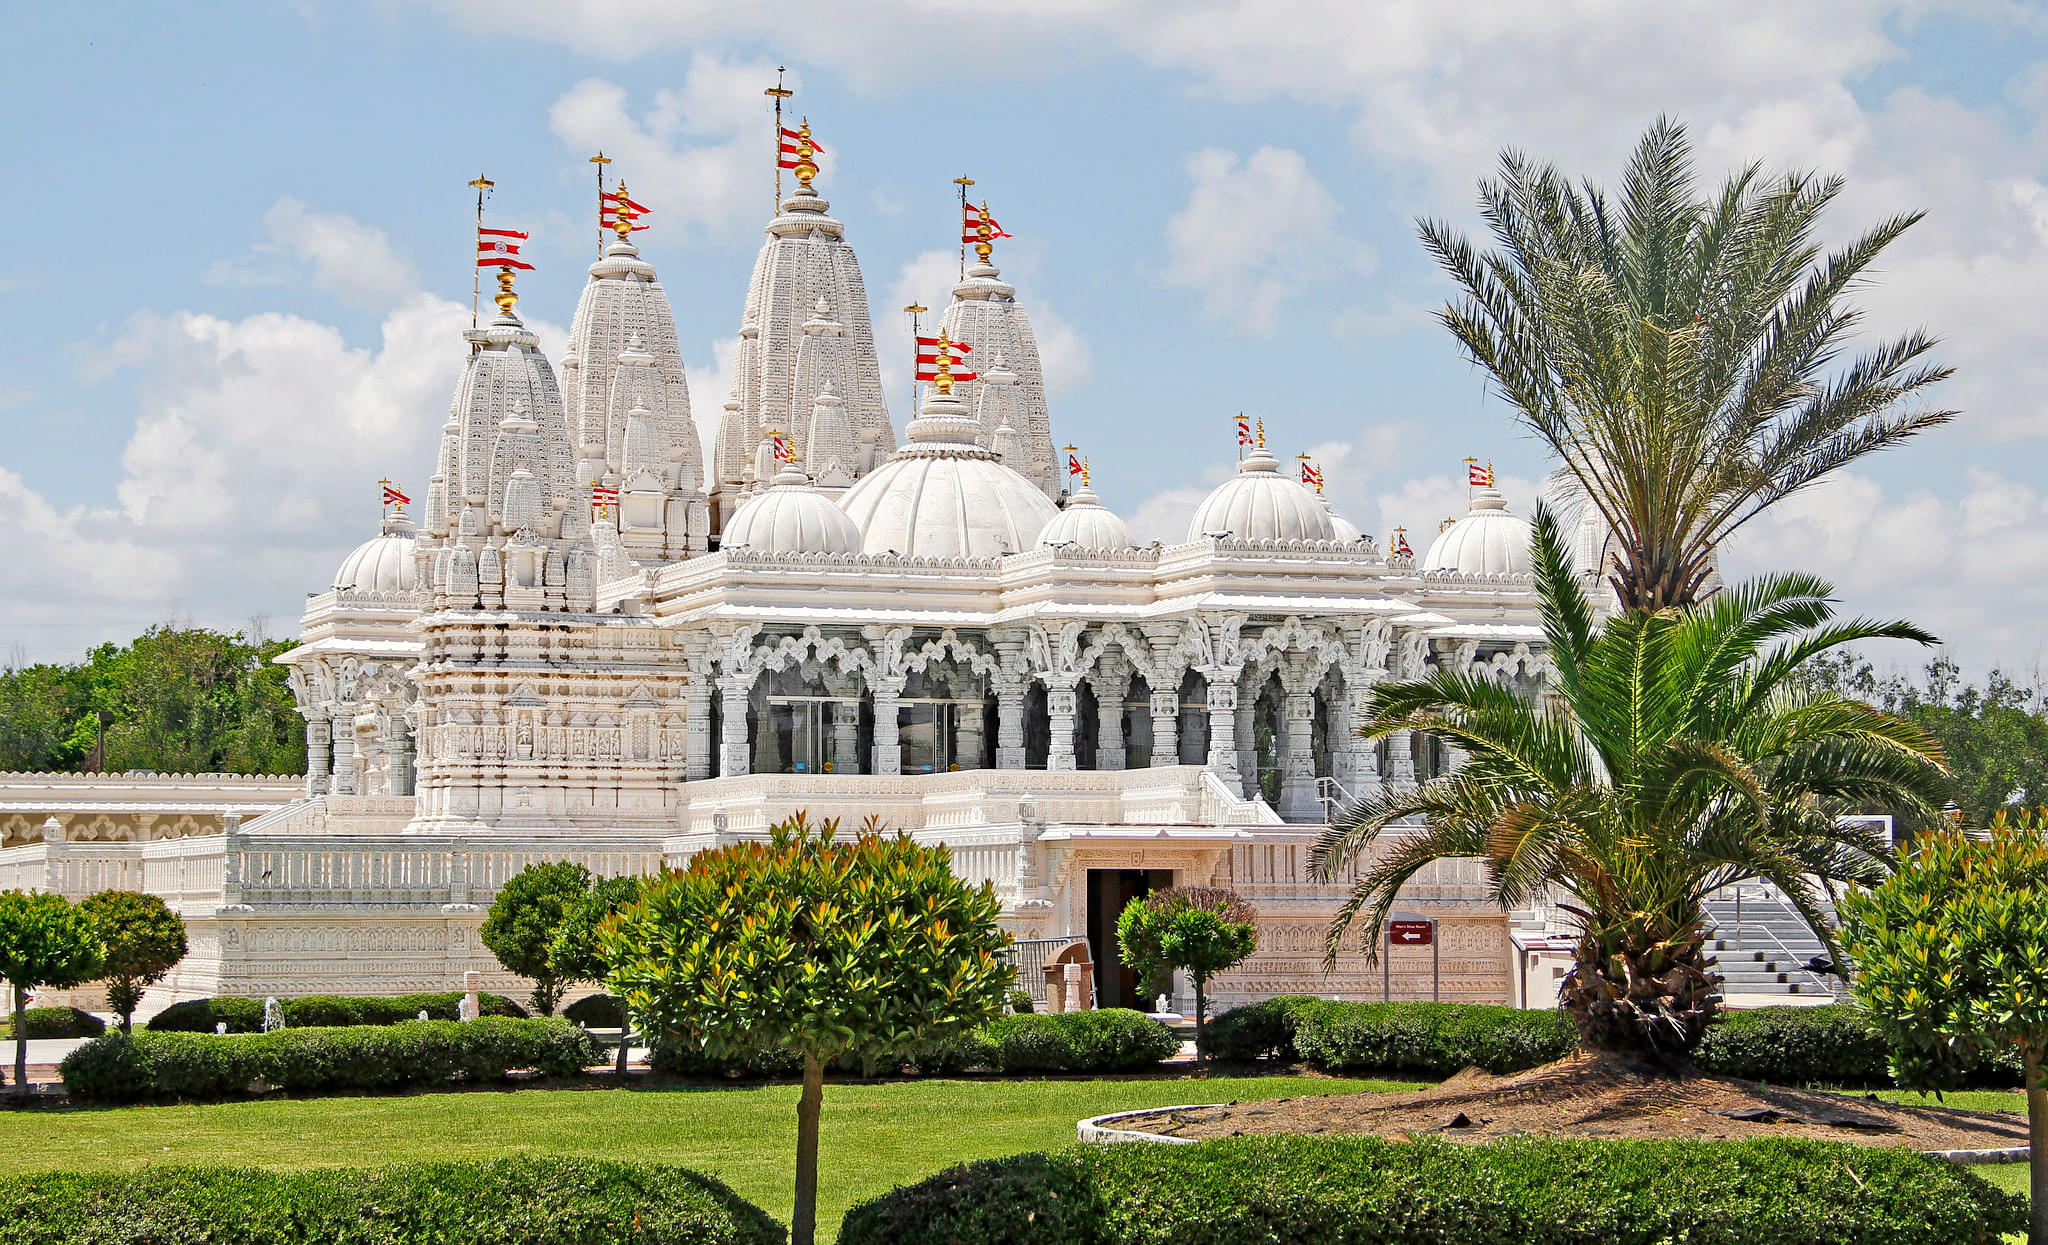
<point>1294,636</point>
<point>972,655</point>
<point>1116,636</point>
<point>813,646</point>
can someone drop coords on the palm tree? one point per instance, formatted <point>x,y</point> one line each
<point>1675,753</point>
<point>1683,355</point>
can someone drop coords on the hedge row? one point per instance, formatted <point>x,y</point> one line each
<point>115,1068</point>
<point>562,1201</point>
<point>1833,1044</point>
<point>1107,1040</point>
<point>321,1011</point>
<point>1433,1038</point>
<point>57,1022</point>
<point>1370,1191</point>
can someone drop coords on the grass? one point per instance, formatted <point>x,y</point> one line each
<point>874,1137</point>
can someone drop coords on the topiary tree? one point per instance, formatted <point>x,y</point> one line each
<point>144,940</point>
<point>577,955</point>
<point>521,926</point>
<point>44,941</point>
<point>813,946</point>
<point>1951,955</point>
<point>1199,930</point>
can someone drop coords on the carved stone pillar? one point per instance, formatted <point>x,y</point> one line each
<point>696,730</point>
<point>1223,727</point>
<point>319,762</point>
<point>397,755</point>
<point>1247,736</point>
<point>846,737</point>
<point>1110,691</point>
<point>1165,708</point>
<point>1401,759</point>
<point>1359,757</point>
<point>1298,763</point>
<point>733,691</point>
<point>344,754</point>
<point>1011,697</point>
<point>888,746</point>
<point>1061,704</point>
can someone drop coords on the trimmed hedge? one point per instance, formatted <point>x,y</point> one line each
<point>597,1011</point>
<point>322,1011</point>
<point>512,1201</point>
<point>58,1022</point>
<point>1108,1040</point>
<point>201,1066</point>
<point>1434,1038</point>
<point>1833,1044</point>
<point>1373,1191</point>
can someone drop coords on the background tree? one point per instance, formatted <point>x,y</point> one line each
<point>1198,930</point>
<point>44,941</point>
<point>576,954</point>
<point>1683,353</point>
<point>1676,754</point>
<point>1951,957</point>
<point>144,940</point>
<point>521,925</point>
<point>814,946</point>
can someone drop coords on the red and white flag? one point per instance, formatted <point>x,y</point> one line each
<point>793,149</point>
<point>784,453</point>
<point>1477,476</point>
<point>1244,433</point>
<point>601,496</point>
<point>1311,476</point>
<point>1401,548</point>
<point>928,359</point>
<point>499,248</point>
<point>1073,465</point>
<point>971,221</point>
<point>797,136</point>
<point>392,497</point>
<point>609,214</point>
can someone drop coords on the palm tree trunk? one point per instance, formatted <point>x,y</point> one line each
<point>1656,1001</point>
<point>2037,1138</point>
<point>803,1225</point>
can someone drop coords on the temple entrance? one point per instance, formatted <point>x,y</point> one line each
<point>1109,892</point>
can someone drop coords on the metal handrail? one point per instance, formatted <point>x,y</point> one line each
<point>1820,979</point>
<point>1333,795</point>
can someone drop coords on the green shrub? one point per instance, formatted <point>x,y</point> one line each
<point>562,1201</point>
<point>323,1011</point>
<point>1261,1030</point>
<point>597,1011</point>
<point>1021,1002</point>
<point>1433,1038</point>
<point>1834,1044</point>
<point>59,1022</point>
<point>201,1066</point>
<point>1109,1040</point>
<point>1374,1191</point>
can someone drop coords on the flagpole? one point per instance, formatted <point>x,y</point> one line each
<point>600,160</point>
<point>778,94</point>
<point>963,183</point>
<point>915,310</point>
<point>476,274</point>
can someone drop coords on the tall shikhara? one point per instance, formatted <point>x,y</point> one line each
<point>806,367</point>
<point>1010,387</point>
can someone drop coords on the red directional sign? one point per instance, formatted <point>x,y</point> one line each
<point>1411,933</point>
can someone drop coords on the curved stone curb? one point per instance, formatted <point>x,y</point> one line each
<point>1098,1129</point>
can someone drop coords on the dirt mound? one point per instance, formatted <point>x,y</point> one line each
<point>1603,1095</point>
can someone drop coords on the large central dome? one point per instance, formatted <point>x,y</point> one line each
<point>943,496</point>
<point>1258,503</point>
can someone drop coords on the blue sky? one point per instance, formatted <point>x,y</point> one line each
<point>234,247</point>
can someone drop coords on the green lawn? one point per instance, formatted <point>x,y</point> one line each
<point>874,1136</point>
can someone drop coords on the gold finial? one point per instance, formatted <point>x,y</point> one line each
<point>1084,473</point>
<point>1262,434</point>
<point>985,232</point>
<point>505,297</point>
<point>944,377</point>
<point>622,213</point>
<point>806,167</point>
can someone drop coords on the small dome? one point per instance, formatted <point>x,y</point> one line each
<point>1258,503</point>
<point>1487,541</point>
<point>943,496</point>
<point>1086,524</point>
<point>383,563</point>
<point>1347,531</point>
<point>790,516</point>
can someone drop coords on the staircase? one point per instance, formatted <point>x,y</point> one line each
<point>1763,945</point>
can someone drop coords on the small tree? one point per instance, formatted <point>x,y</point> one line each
<point>576,954</point>
<point>1200,930</point>
<point>1951,956</point>
<point>520,929</point>
<point>813,946</point>
<point>144,941</point>
<point>44,941</point>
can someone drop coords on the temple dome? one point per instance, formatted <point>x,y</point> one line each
<point>1258,503</point>
<point>790,516</point>
<point>1487,541</point>
<point>943,496</point>
<point>383,563</point>
<point>1087,524</point>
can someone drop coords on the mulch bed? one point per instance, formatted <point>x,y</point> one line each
<point>1595,1095</point>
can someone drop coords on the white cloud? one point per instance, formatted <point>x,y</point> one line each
<point>1063,353</point>
<point>1255,231</point>
<point>354,261</point>
<point>694,158</point>
<point>710,386</point>
<point>1164,516</point>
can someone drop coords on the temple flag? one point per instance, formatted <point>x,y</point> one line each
<point>1244,432</point>
<point>1073,465</point>
<point>1477,476</point>
<point>783,452</point>
<point>971,221</point>
<point>392,497</point>
<point>928,359</point>
<point>800,137</point>
<point>499,248</point>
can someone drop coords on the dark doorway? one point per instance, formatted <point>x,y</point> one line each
<point>1109,892</point>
